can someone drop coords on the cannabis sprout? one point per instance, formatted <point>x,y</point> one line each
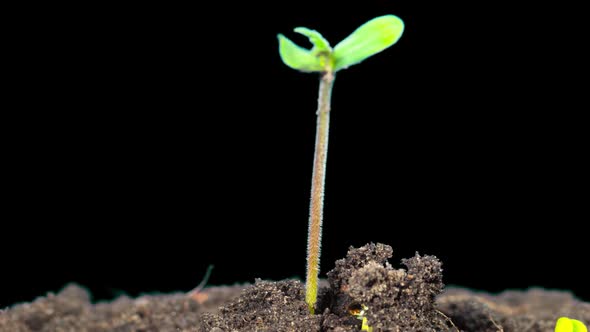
<point>369,39</point>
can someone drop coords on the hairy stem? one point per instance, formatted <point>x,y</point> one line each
<point>314,235</point>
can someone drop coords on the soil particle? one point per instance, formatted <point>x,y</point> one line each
<point>333,323</point>
<point>361,285</point>
<point>356,259</point>
<point>535,310</point>
<point>71,311</point>
<point>392,299</point>
<point>46,314</point>
<point>266,306</point>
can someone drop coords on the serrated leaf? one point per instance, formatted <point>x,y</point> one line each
<point>298,57</point>
<point>369,39</point>
<point>320,44</point>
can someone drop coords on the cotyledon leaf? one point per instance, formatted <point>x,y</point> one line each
<point>369,39</point>
<point>565,324</point>
<point>579,326</point>
<point>320,44</point>
<point>298,57</point>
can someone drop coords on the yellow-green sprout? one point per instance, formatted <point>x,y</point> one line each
<point>298,57</point>
<point>369,39</point>
<point>565,324</point>
<point>365,324</point>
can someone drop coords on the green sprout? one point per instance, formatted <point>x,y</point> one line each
<point>369,39</point>
<point>565,324</point>
<point>359,313</point>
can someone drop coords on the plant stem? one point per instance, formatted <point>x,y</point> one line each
<point>314,235</point>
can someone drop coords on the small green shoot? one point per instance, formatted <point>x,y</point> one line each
<point>368,40</point>
<point>359,313</point>
<point>565,324</point>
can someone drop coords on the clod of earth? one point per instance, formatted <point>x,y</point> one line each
<point>394,299</point>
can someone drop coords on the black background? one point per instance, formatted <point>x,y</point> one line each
<point>150,141</point>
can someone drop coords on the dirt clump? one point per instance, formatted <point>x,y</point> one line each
<point>361,285</point>
<point>72,310</point>
<point>534,310</point>
<point>391,299</point>
<point>266,306</point>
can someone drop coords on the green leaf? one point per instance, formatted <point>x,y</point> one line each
<point>320,44</point>
<point>369,39</point>
<point>578,326</point>
<point>298,57</point>
<point>564,324</point>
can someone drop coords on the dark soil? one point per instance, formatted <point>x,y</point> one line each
<point>391,299</point>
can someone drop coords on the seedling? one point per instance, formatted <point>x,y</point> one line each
<point>565,324</point>
<point>369,39</point>
<point>359,313</point>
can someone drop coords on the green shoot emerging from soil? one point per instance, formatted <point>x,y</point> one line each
<point>565,324</point>
<point>369,39</point>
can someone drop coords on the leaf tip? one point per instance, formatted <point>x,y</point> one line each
<point>369,39</point>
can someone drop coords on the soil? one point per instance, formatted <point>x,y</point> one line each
<point>364,283</point>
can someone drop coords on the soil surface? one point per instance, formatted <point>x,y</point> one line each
<point>362,285</point>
